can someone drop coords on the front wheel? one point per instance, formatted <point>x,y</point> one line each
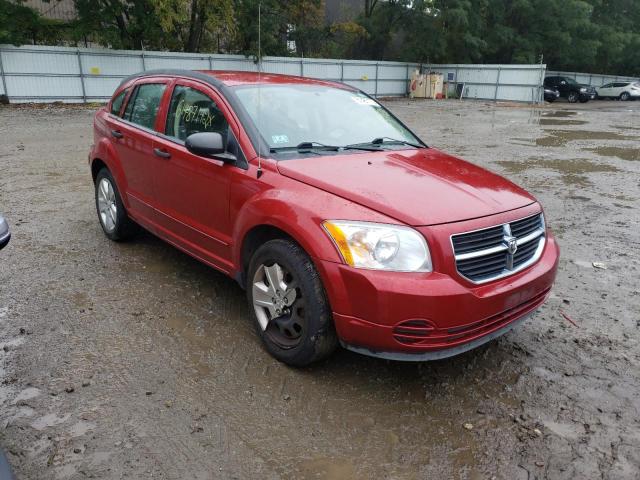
<point>288,303</point>
<point>572,97</point>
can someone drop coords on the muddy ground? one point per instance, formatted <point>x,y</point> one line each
<point>135,361</point>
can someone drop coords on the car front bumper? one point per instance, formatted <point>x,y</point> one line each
<point>372,307</point>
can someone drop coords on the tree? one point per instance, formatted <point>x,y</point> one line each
<point>20,24</point>
<point>297,20</point>
<point>196,25</point>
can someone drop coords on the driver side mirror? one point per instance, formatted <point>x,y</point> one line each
<point>208,144</point>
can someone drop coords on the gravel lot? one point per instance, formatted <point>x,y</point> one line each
<point>135,361</point>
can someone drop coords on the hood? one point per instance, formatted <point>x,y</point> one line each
<point>416,187</point>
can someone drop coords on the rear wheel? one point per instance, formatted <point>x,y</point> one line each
<point>624,96</point>
<point>572,97</point>
<point>111,212</point>
<point>291,313</point>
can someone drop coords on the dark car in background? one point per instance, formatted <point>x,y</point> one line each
<point>5,234</point>
<point>551,94</point>
<point>570,89</point>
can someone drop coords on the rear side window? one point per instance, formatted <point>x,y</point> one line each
<point>192,111</point>
<point>144,103</point>
<point>116,104</point>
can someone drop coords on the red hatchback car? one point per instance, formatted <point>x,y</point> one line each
<point>340,223</point>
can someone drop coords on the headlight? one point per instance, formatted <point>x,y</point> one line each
<point>380,246</point>
<point>583,89</point>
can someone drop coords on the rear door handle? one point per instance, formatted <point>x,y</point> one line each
<point>116,133</point>
<point>161,153</point>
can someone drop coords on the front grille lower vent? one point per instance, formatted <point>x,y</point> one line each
<point>495,252</point>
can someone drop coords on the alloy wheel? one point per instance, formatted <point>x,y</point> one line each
<point>107,207</point>
<point>279,305</point>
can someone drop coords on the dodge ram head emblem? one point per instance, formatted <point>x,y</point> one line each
<point>512,245</point>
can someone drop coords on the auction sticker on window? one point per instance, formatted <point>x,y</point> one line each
<point>364,101</point>
<point>279,138</point>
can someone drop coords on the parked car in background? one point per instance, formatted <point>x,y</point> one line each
<point>570,89</point>
<point>340,223</point>
<point>621,90</point>
<point>551,94</point>
<point>5,234</point>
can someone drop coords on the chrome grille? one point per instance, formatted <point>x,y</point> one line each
<point>495,252</point>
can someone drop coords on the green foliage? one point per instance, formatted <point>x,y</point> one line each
<point>20,24</point>
<point>582,35</point>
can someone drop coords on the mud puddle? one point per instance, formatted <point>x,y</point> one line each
<point>560,113</point>
<point>632,154</point>
<point>558,121</point>
<point>573,172</point>
<point>626,127</point>
<point>559,138</point>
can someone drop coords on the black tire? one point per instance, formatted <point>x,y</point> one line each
<point>584,99</point>
<point>624,96</point>
<point>550,100</point>
<point>123,227</point>
<point>317,337</point>
<point>573,97</point>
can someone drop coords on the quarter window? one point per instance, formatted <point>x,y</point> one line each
<point>191,111</point>
<point>116,104</point>
<point>144,103</point>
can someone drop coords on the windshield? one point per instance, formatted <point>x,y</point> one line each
<point>291,115</point>
<point>570,81</point>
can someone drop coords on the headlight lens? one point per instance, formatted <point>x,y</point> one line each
<point>583,89</point>
<point>380,246</point>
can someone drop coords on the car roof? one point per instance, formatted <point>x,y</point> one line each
<point>232,78</point>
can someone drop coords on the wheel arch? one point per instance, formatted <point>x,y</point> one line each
<point>256,236</point>
<point>97,164</point>
<point>105,156</point>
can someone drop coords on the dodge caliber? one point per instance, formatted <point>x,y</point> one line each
<point>340,223</point>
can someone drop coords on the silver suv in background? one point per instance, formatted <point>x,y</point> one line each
<point>621,90</point>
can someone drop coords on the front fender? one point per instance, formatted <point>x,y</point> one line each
<point>298,210</point>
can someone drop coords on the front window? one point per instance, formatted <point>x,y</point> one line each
<point>570,81</point>
<point>191,111</point>
<point>291,115</point>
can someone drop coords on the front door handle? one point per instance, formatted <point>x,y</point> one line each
<point>161,153</point>
<point>116,133</point>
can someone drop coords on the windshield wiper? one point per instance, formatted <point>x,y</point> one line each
<point>381,140</point>
<point>306,147</point>
<point>377,143</point>
<point>314,147</point>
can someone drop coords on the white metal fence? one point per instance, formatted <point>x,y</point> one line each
<point>46,74</point>
<point>595,79</point>
<point>520,83</point>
